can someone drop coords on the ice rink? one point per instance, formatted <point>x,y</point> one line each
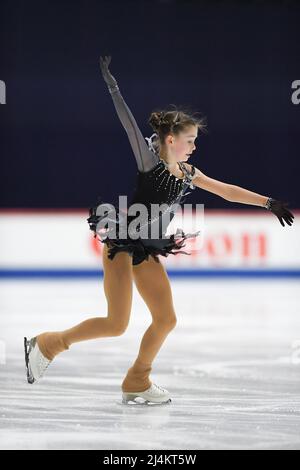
<point>232,366</point>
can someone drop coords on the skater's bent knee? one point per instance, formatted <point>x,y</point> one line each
<point>172,323</point>
<point>166,323</point>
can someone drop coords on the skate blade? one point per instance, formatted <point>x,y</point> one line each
<point>139,401</point>
<point>27,348</point>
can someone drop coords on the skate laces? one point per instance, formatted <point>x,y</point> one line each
<point>158,388</point>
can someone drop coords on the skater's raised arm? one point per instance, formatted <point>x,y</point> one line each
<point>234,193</point>
<point>145,158</point>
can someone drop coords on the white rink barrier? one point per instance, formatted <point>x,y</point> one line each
<point>54,243</point>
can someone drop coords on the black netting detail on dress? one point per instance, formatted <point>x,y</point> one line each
<point>140,250</point>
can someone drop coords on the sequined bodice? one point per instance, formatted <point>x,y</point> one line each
<point>159,186</point>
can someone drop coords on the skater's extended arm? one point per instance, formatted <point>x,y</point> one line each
<point>227,191</point>
<point>234,193</point>
<point>145,158</point>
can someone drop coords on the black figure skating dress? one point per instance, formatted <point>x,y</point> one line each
<point>155,185</point>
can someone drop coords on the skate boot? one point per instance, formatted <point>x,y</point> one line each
<point>153,395</point>
<point>35,362</point>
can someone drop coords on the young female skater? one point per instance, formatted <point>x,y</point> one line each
<point>163,177</point>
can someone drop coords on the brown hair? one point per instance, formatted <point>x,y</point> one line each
<point>165,122</point>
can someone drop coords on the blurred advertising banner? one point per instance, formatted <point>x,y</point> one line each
<point>60,242</point>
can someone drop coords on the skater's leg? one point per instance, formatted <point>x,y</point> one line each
<point>153,285</point>
<point>118,291</point>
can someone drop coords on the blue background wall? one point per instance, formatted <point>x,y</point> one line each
<point>61,141</point>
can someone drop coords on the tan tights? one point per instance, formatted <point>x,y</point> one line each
<point>153,285</point>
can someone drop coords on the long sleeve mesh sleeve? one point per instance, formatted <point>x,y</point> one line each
<point>146,159</point>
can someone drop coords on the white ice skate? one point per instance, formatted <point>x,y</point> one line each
<point>36,363</point>
<point>154,394</point>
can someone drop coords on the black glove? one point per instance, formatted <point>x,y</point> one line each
<point>110,80</point>
<point>279,209</point>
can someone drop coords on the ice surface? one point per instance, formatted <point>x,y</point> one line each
<point>231,366</point>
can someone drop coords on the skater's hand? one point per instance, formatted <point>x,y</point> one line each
<point>279,209</point>
<point>104,63</point>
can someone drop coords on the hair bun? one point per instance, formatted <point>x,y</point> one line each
<point>156,119</point>
<point>161,118</point>
<point>175,121</point>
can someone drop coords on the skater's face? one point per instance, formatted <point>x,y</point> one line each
<point>182,145</point>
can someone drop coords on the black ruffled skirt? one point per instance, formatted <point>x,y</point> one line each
<point>141,249</point>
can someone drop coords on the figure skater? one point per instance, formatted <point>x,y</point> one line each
<point>164,176</point>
